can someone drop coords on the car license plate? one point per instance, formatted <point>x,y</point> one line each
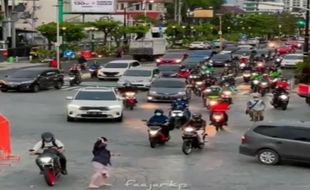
<point>94,113</point>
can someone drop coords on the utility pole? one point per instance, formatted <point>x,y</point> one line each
<point>13,19</point>
<point>221,31</point>
<point>306,43</point>
<point>176,10</point>
<point>4,10</point>
<point>179,11</point>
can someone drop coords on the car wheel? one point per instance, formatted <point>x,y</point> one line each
<point>58,85</point>
<point>70,119</point>
<point>120,119</point>
<point>268,157</point>
<point>36,88</point>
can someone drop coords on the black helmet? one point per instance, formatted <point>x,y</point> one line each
<point>197,116</point>
<point>159,111</point>
<point>47,137</point>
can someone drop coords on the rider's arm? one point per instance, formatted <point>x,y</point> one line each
<point>37,147</point>
<point>60,144</point>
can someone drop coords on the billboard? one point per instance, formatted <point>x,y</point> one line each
<point>203,13</point>
<point>93,6</point>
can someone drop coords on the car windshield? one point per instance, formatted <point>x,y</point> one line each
<point>138,73</point>
<point>172,55</point>
<point>168,84</point>
<point>96,95</point>
<point>221,56</point>
<point>293,57</point>
<point>169,68</point>
<point>193,60</point>
<point>197,42</point>
<point>25,74</point>
<point>116,65</point>
<point>201,54</point>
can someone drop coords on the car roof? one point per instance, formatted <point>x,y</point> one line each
<point>123,61</point>
<point>297,124</point>
<point>102,89</point>
<point>170,79</point>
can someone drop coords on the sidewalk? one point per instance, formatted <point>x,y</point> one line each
<point>8,66</point>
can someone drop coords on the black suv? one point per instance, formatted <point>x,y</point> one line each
<point>33,79</point>
<point>273,142</point>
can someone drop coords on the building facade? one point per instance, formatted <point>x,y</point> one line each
<point>269,6</point>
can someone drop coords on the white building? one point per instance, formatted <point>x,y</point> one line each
<point>289,4</point>
<point>271,6</point>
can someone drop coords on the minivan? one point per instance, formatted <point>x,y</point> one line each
<point>273,142</point>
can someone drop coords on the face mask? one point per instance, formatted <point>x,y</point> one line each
<point>158,114</point>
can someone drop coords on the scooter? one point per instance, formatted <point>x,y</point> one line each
<point>281,101</point>
<point>246,76</point>
<point>198,88</point>
<point>218,120</point>
<point>263,87</point>
<point>130,100</point>
<point>226,96</point>
<point>50,163</point>
<point>190,140</point>
<point>156,135</point>
<point>73,79</point>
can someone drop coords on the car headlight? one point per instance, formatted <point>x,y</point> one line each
<point>181,93</point>
<point>153,92</point>
<point>189,129</point>
<point>115,107</point>
<point>46,160</point>
<point>158,60</point>
<point>255,81</point>
<point>284,97</point>
<point>73,106</point>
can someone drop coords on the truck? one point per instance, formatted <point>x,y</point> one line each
<point>152,46</point>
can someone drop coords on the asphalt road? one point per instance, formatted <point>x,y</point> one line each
<point>217,167</point>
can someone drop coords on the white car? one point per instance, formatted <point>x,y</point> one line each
<point>141,77</point>
<point>199,45</point>
<point>291,60</point>
<point>95,103</point>
<point>115,69</point>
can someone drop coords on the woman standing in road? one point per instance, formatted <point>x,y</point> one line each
<point>100,162</point>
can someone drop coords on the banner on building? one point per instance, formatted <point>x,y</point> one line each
<point>203,14</point>
<point>93,6</point>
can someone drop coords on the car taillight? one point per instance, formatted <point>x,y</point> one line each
<point>5,53</point>
<point>243,139</point>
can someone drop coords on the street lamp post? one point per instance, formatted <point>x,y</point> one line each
<point>306,43</point>
<point>58,37</point>
<point>221,31</point>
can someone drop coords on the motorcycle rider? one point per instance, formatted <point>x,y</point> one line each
<point>160,119</point>
<point>47,141</point>
<point>274,72</point>
<point>82,62</point>
<point>256,105</point>
<point>200,125</point>
<point>183,104</point>
<point>127,87</point>
<point>221,106</point>
<point>277,92</point>
<point>205,68</point>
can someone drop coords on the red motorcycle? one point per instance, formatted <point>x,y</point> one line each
<point>130,100</point>
<point>218,116</point>
<point>260,67</point>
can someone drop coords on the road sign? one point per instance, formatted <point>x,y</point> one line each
<point>69,54</point>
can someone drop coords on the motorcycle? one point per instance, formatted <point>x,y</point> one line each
<point>130,100</point>
<point>156,135</point>
<point>263,87</point>
<point>178,118</point>
<point>190,140</point>
<point>281,101</point>
<point>260,67</point>
<point>226,96</point>
<point>246,76</point>
<point>198,87</point>
<point>93,71</point>
<point>255,85</point>
<point>192,78</point>
<point>50,163</point>
<point>218,120</point>
<point>73,79</point>
<point>278,62</point>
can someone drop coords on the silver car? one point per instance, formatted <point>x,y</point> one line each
<point>168,89</point>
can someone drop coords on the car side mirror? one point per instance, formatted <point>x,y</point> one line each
<point>69,98</point>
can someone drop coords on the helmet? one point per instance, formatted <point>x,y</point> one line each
<point>197,116</point>
<point>47,137</point>
<point>159,112</point>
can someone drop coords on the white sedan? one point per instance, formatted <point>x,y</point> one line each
<point>115,69</point>
<point>291,60</point>
<point>199,45</point>
<point>95,103</point>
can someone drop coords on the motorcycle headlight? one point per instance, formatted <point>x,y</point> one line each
<point>181,93</point>
<point>264,83</point>
<point>158,60</point>
<point>213,102</point>
<point>189,129</point>
<point>208,90</point>
<point>283,97</point>
<point>217,117</point>
<point>153,132</point>
<point>278,60</point>
<point>227,93</point>
<point>46,160</point>
<point>246,74</point>
<point>275,80</point>
<point>199,83</point>
<point>242,65</point>
<point>130,94</point>
<point>173,114</point>
<point>180,114</point>
<point>255,81</point>
<point>178,60</point>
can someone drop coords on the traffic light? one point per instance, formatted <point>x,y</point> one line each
<point>301,22</point>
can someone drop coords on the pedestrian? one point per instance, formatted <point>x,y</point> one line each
<point>101,162</point>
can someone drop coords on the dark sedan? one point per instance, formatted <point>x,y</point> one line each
<point>168,89</point>
<point>203,54</point>
<point>219,60</point>
<point>193,62</point>
<point>168,70</point>
<point>33,79</point>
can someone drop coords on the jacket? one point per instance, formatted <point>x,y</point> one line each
<point>256,105</point>
<point>158,119</point>
<point>42,146</point>
<point>179,105</point>
<point>101,155</point>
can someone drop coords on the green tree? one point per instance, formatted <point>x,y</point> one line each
<point>49,32</point>
<point>141,18</point>
<point>107,26</point>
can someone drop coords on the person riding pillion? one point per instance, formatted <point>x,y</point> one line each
<point>47,141</point>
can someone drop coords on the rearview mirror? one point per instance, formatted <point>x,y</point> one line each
<point>69,98</point>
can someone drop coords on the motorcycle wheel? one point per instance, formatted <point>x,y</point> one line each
<point>49,176</point>
<point>152,143</point>
<point>263,92</point>
<point>130,107</point>
<point>284,107</point>
<point>187,147</point>
<point>246,80</point>
<point>177,124</point>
